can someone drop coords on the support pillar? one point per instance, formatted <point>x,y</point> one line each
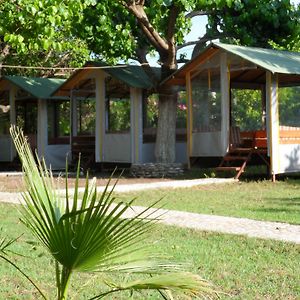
<point>100,117</point>
<point>12,117</point>
<point>73,114</point>
<point>225,102</point>
<point>136,128</point>
<point>273,122</point>
<point>189,125</point>
<point>42,128</point>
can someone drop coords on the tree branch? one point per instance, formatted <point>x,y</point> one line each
<point>141,54</point>
<point>48,56</point>
<point>187,44</point>
<point>173,14</point>
<point>196,13</point>
<point>5,50</point>
<point>137,9</point>
<point>204,39</point>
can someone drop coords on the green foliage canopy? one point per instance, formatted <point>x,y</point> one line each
<point>131,29</point>
<point>38,32</point>
<point>256,23</point>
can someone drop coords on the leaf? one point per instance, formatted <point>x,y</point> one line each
<point>46,44</point>
<point>7,38</point>
<point>93,233</point>
<point>167,2</point>
<point>20,38</point>
<point>33,10</point>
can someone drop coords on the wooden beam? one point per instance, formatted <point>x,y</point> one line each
<point>73,81</point>
<point>209,53</point>
<point>188,67</point>
<point>176,81</point>
<point>261,75</point>
<point>4,84</point>
<point>246,85</point>
<point>189,126</point>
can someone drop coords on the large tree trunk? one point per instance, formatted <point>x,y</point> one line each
<point>166,47</point>
<point>165,146</point>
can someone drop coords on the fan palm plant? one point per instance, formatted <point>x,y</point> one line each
<point>91,234</point>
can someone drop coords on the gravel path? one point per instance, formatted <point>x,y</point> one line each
<point>240,226</point>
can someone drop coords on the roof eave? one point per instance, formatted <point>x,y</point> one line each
<point>206,53</point>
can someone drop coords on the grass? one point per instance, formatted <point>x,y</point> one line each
<point>242,267</point>
<point>260,200</point>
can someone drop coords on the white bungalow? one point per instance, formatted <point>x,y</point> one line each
<point>213,79</point>
<point>109,115</point>
<point>44,119</point>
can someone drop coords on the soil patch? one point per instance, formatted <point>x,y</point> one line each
<point>15,184</point>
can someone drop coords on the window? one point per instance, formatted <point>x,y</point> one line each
<point>4,113</point>
<point>289,106</point>
<point>118,114</point>
<point>58,122</point>
<point>117,106</point>
<point>206,98</point>
<point>26,115</point>
<point>150,112</point>
<point>86,116</point>
<point>246,109</point>
<point>181,111</point>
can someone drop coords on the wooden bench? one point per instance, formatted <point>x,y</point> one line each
<point>85,147</point>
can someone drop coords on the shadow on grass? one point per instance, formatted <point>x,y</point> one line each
<point>287,201</point>
<point>282,206</point>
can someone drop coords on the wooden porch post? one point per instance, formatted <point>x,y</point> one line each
<point>273,122</point>
<point>225,102</point>
<point>189,126</point>
<point>73,112</point>
<point>136,122</point>
<point>12,116</point>
<point>100,117</point>
<point>42,128</point>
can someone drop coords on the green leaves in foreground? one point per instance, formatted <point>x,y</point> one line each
<point>93,234</point>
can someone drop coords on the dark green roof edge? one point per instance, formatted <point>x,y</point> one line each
<point>132,75</point>
<point>38,87</point>
<point>289,62</point>
<point>275,61</point>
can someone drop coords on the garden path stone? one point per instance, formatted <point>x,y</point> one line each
<point>232,225</point>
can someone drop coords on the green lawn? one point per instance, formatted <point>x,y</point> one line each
<point>242,267</point>
<point>261,200</point>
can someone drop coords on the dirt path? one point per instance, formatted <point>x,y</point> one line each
<point>240,226</point>
<point>14,183</point>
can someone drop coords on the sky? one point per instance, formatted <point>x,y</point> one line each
<point>198,30</point>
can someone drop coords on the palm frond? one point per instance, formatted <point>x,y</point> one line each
<point>85,235</point>
<point>90,232</point>
<point>5,244</point>
<point>183,283</point>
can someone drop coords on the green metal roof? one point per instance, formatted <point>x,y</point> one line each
<point>40,88</point>
<point>132,75</point>
<point>275,61</point>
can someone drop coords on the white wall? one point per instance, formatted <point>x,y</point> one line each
<point>55,156</point>
<point>148,153</point>
<point>208,144</point>
<point>289,158</point>
<point>116,147</point>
